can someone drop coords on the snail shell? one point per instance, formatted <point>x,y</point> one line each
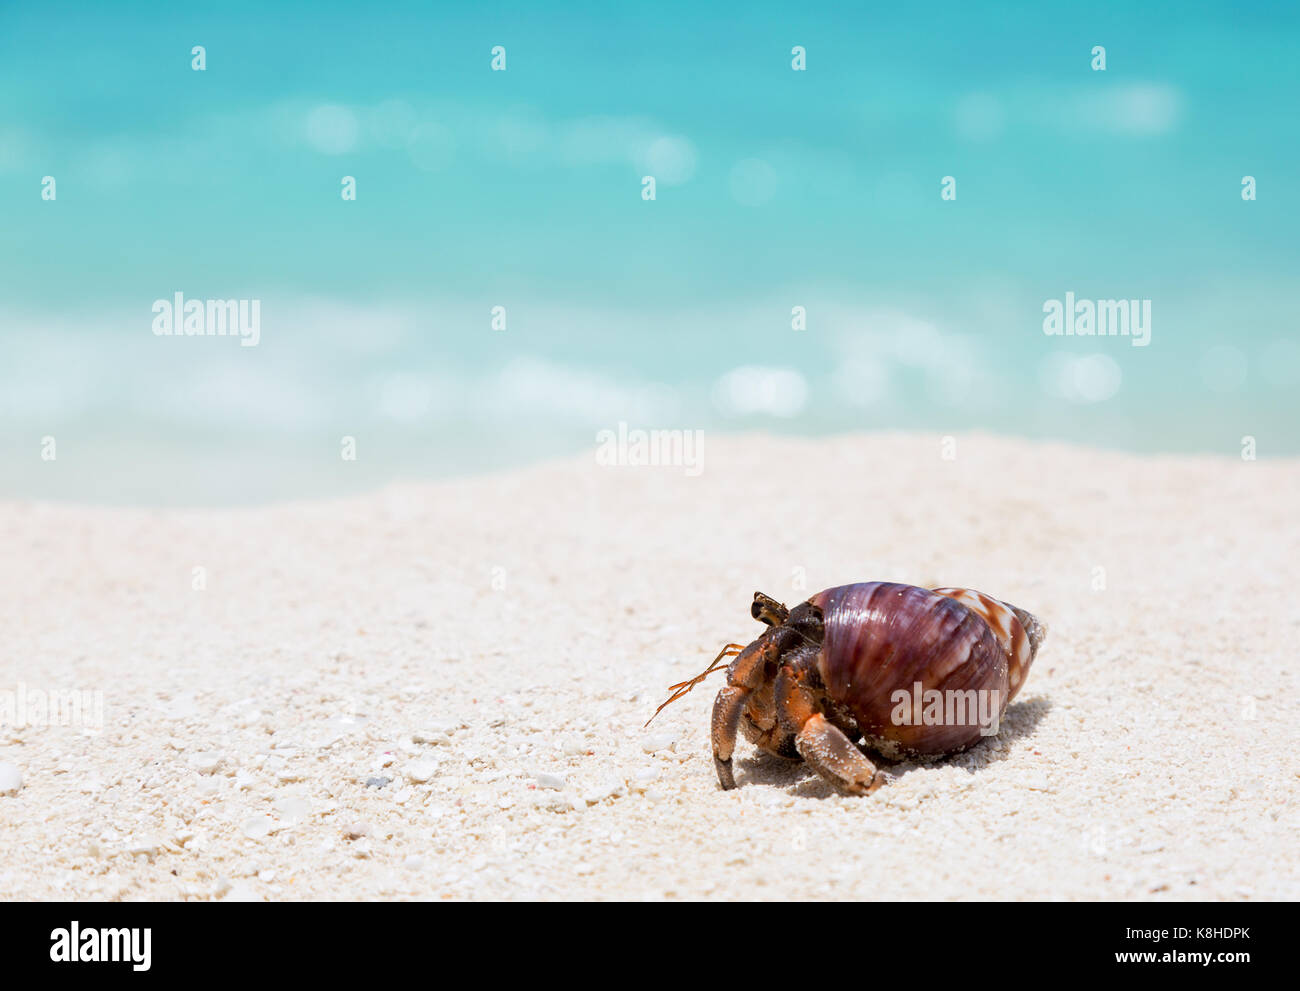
<point>1019,632</point>
<point>880,637</point>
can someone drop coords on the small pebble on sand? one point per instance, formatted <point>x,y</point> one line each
<point>609,788</point>
<point>205,762</point>
<point>643,777</point>
<point>292,808</point>
<point>659,741</point>
<point>421,771</point>
<point>11,779</point>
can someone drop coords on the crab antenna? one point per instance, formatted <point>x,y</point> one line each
<point>682,687</point>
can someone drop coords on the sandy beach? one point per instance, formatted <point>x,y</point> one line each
<point>437,691</point>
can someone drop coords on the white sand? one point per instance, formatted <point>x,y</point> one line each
<point>346,640</point>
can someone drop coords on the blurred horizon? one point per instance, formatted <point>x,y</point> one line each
<point>522,189</point>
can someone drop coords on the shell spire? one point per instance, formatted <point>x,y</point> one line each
<point>1019,632</point>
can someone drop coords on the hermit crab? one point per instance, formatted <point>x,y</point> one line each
<point>912,673</point>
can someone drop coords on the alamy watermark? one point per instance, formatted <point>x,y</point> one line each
<point>951,707</point>
<point>104,945</point>
<point>181,317</point>
<point>663,448</point>
<point>1099,318</point>
<point>25,707</point>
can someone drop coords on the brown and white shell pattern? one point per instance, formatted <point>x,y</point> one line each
<point>1017,631</point>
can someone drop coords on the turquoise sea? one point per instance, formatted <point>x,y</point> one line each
<point>871,241</point>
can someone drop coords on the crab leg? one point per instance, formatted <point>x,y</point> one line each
<point>821,743</point>
<point>727,708</point>
<point>746,673</point>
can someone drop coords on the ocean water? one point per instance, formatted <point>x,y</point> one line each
<point>881,240</point>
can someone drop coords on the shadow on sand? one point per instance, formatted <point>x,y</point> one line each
<point>1018,723</point>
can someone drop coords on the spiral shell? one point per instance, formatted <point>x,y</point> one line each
<point>883,637</point>
<point>1017,631</point>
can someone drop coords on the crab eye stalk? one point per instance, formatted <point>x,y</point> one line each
<point>767,610</point>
